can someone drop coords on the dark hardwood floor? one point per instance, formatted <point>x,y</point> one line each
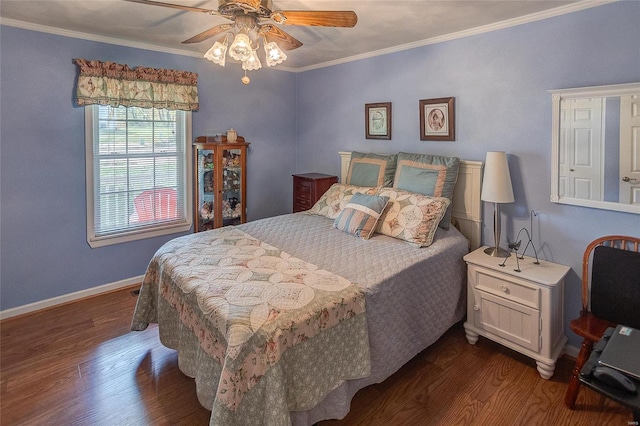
<point>79,364</point>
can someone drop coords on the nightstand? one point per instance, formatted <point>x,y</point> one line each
<point>522,310</point>
<point>308,188</point>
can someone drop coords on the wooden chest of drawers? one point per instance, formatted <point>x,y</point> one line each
<point>308,188</point>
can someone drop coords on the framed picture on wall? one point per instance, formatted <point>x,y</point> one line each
<point>437,119</point>
<point>377,119</point>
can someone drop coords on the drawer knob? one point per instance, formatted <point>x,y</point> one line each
<point>476,307</point>
<point>504,288</point>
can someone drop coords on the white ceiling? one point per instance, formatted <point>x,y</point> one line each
<point>383,25</point>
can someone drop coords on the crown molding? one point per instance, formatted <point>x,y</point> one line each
<point>538,16</point>
<point>562,10</point>
<point>94,37</point>
<point>109,40</point>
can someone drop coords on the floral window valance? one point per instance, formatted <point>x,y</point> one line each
<point>108,83</point>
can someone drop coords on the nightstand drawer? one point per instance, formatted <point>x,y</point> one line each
<point>512,321</point>
<point>302,192</point>
<point>305,183</point>
<point>302,204</point>
<point>512,289</point>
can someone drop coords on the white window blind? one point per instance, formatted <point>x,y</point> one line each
<point>137,173</point>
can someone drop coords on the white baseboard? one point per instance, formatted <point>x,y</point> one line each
<point>65,298</point>
<point>572,351</point>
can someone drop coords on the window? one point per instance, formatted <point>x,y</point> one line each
<point>137,173</point>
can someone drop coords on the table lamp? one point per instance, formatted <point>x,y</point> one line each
<point>496,189</point>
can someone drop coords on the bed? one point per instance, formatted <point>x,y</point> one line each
<point>282,320</point>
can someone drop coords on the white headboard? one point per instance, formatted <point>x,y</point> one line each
<point>467,208</point>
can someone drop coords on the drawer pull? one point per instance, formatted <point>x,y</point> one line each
<point>476,307</point>
<point>504,288</point>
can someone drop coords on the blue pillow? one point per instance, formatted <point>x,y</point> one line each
<point>420,180</point>
<point>371,169</point>
<point>360,216</point>
<point>431,175</point>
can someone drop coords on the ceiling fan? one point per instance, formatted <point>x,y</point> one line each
<point>253,19</point>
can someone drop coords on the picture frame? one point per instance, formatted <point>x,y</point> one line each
<point>377,120</point>
<point>437,119</point>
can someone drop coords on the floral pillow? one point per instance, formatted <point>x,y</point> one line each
<point>410,216</point>
<point>360,216</point>
<point>336,198</point>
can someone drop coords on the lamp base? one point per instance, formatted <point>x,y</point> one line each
<point>497,252</point>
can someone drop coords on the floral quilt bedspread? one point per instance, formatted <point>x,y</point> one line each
<point>253,324</point>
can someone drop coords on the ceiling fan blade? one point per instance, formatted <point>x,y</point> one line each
<point>211,32</point>
<point>282,39</point>
<point>316,18</point>
<point>176,6</point>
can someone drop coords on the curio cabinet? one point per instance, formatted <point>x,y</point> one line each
<point>219,182</point>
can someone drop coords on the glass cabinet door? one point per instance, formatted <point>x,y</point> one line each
<point>231,187</point>
<point>205,189</point>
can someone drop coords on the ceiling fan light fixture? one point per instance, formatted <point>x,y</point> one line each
<point>274,55</point>
<point>217,53</point>
<point>252,20</point>
<point>253,63</point>
<point>240,49</point>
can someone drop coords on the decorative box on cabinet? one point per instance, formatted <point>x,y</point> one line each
<point>308,188</point>
<point>522,310</point>
<point>219,182</point>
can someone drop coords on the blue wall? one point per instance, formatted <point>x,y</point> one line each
<point>44,252</point>
<point>500,81</point>
<point>297,123</point>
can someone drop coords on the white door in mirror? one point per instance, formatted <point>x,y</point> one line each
<point>630,149</point>
<point>619,156</point>
<point>581,146</point>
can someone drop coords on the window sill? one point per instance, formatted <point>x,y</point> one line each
<point>139,234</point>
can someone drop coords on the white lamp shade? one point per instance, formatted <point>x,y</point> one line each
<point>240,49</point>
<point>274,54</point>
<point>252,63</point>
<point>217,53</point>
<point>496,183</point>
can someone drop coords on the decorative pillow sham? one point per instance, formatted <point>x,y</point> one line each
<point>431,175</point>
<point>411,217</point>
<point>371,169</point>
<point>336,198</point>
<point>360,216</point>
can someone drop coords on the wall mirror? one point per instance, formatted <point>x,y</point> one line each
<point>596,147</point>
